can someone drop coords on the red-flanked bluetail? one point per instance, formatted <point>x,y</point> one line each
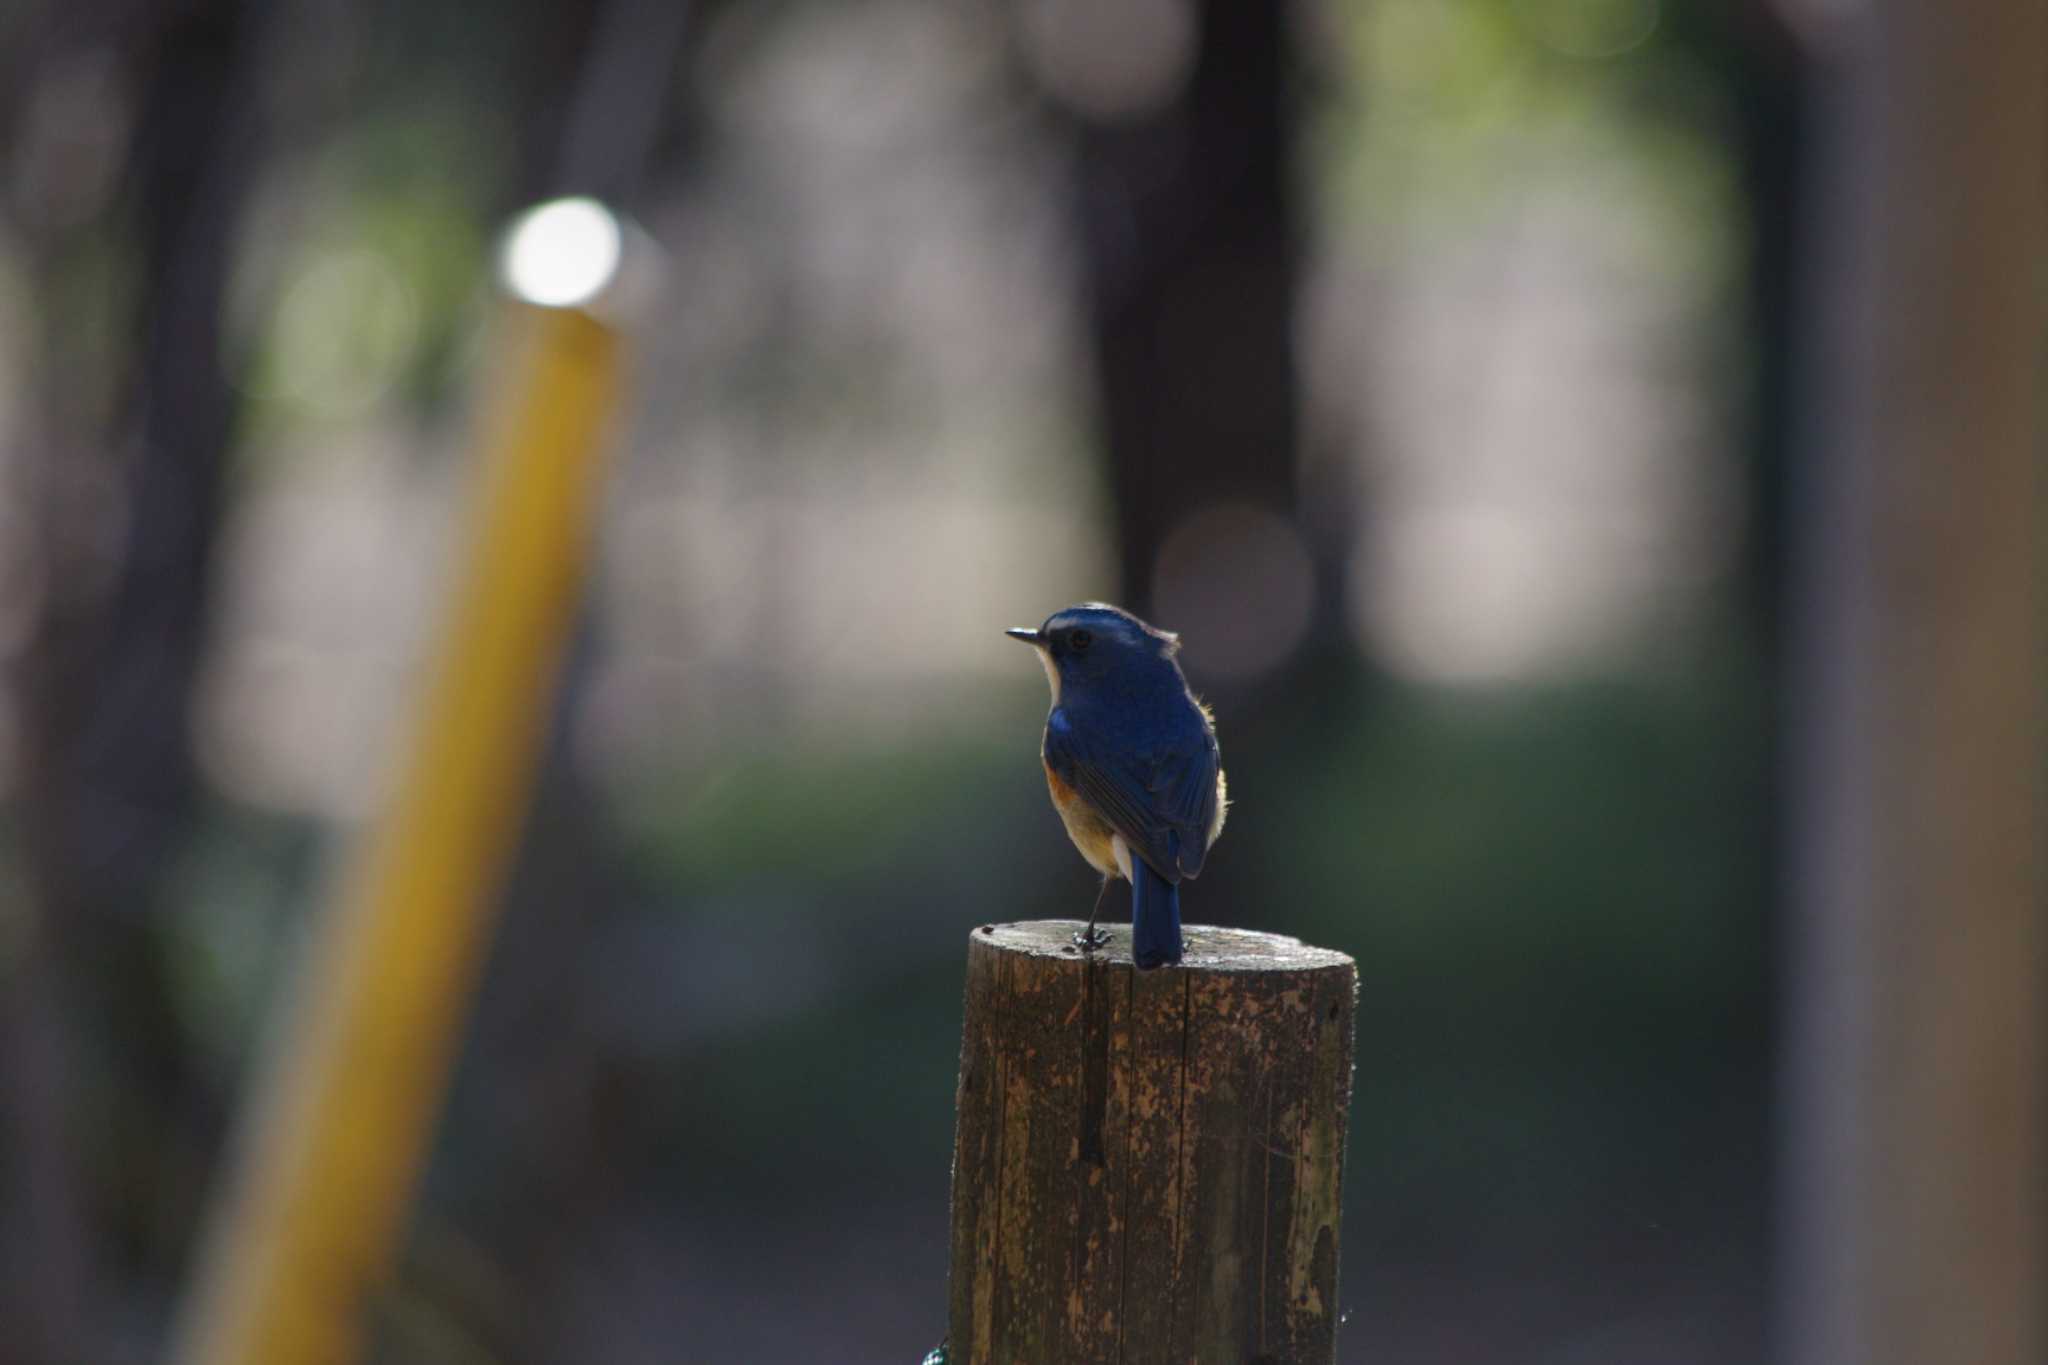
<point>1131,760</point>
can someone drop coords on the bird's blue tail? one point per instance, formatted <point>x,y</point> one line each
<point>1155,917</point>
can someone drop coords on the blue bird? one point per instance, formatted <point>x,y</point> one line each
<point>1131,761</point>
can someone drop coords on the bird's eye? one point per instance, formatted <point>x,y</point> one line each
<point>1079,640</point>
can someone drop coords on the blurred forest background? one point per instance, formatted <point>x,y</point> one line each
<point>1426,363</point>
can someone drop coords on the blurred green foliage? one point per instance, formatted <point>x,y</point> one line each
<point>1556,891</point>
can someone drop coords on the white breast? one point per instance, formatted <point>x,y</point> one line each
<point>1052,675</point>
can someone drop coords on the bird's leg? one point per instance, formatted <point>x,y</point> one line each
<point>1092,938</point>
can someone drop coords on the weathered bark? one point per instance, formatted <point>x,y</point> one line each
<point>1148,1166</point>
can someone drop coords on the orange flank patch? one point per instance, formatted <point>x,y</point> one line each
<point>1091,834</point>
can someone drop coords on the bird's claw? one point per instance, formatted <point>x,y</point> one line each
<point>1088,940</point>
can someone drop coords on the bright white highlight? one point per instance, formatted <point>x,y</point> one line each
<point>561,254</point>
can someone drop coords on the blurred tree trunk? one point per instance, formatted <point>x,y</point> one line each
<point>107,776</point>
<point>1914,1178</point>
<point>1771,79</point>
<point>1766,71</point>
<point>1189,239</point>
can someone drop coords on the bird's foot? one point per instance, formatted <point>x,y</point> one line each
<point>1091,938</point>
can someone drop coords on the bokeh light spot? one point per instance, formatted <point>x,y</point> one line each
<point>562,254</point>
<point>1110,60</point>
<point>1237,580</point>
<point>1593,29</point>
<point>346,329</point>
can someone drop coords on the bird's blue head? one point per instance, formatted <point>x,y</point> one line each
<point>1097,647</point>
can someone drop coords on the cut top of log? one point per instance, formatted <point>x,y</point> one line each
<point>1208,947</point>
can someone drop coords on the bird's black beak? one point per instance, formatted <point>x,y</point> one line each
<point>1026,634</point>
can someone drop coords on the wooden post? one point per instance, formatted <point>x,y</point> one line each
<point>1148,1166</point>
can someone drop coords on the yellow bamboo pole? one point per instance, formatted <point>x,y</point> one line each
<point>344,1109</point>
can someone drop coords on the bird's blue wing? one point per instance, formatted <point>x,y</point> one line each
<point>1160,794</point>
